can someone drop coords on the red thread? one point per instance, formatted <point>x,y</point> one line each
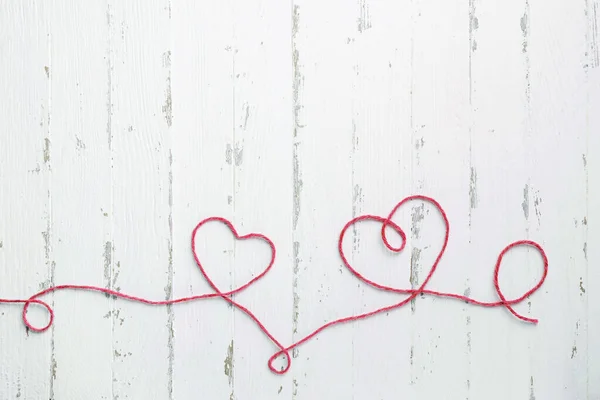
<point>284,351</point>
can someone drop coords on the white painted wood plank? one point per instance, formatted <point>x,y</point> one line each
<point>592,168</point>
<point>321,159</point>
<point>140,145</point>
<point>560,355</point>
<point>203,120</point>
<point>259,153</point>
<point>323,191</point>
<point>591,165</point>
<point>497,88</point>
<point>79,158</point>
<point>440,139</point>
<point>500,157</point>
<point>379,91</point>
<point>25,221</point>
<point>230,129</point>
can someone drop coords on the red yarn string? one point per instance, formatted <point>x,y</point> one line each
<point>386,222</point>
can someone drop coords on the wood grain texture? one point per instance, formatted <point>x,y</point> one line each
<point>25,252</point>
<point>123,124</point>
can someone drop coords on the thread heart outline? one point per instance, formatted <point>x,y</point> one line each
<point>237,236</point>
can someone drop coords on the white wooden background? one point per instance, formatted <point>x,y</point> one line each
<point>124,123</point>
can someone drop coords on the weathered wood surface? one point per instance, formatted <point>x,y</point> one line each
<point>124,123</point>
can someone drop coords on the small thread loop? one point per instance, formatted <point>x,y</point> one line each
<point>43,304</point>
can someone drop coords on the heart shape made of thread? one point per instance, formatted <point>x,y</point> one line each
<point>237,236</point>
<point>226,295</point>
<point>385,223</point>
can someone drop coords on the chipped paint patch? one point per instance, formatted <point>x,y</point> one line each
<point>116,314</point>
<point>573,351</point>
<point>228,363</point>
<point>238,154</point>
<point>228,366</point>
<point>108,263</point>
<point>419,143</point>
<point>581,288</point>
<point>417,217</point>
<point>166,59</point>
<point>53,368</point>
<point>46,236</point>
<point>525,204</point>
<point>296,303</point>
<point>46,150</point>
<point>246,111</point>
<point>414,273</point>
<point>364,20</point>
<point>47,71</point>
<point>525,27</point>
<point>167,108</point>
<point>473,26</point>
<point>79,143</point>
<point>115,273</point>
<point>45,285</point>
<point>297,182</point>
<point>473,188</point>
<point>228,154</point>
<point>531,389</point>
